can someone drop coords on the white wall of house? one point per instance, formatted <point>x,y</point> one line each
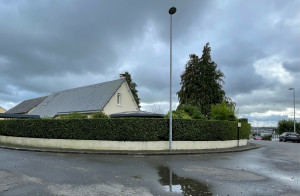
<point>122,101</point>
<point>2,110</point>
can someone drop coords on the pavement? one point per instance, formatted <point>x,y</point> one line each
<point>268,170</point>
<point>249,146</point>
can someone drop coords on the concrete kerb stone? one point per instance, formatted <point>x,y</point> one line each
<point>249,146</point>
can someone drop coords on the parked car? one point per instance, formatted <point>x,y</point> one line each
<point>257,138</point>
<point>289,136</point>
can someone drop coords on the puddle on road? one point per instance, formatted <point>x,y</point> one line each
<point>176,184</point>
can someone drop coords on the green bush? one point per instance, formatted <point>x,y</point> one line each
<point>178,114</point>
<point>193,111</point>
<point>243,120</point>
<point>74,115</point>
<point>223,111</point>
<point>287,126</point>
<point>135,129</point>
<point>267,137</point>
<point>99,115</point>
<point>245,130</point>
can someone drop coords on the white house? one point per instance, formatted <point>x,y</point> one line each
<point>2,110</point>
<point>108,97</point>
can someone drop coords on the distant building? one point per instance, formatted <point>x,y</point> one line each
<point>108,97</point>
<point>26,106</point>
<point>2,110</point>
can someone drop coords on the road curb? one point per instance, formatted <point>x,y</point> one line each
<point>249,146</point>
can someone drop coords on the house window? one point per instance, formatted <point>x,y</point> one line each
<point>119,99</point>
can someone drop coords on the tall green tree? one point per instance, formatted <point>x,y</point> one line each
<point>132,86</point>
<point>287,126</point>
<point>201,83</point>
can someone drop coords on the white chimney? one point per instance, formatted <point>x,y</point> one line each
<point>122,76</point>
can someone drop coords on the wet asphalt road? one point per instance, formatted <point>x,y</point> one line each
<point>273,169</point>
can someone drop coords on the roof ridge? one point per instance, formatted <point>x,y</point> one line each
<point>27,105</point>
<point>35,98</point>
<point>87,86</point>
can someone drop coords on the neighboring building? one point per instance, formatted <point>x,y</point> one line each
<point>26,106</point>
<point>108,97</point>
<point>2,110</point>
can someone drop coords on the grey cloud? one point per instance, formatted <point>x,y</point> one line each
<point>241,80</point>
<point>292,66</point>
<point>53,37</point>
<point>55,45</point>
<point>264,120</point>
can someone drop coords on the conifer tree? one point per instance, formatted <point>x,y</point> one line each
<point>132,86</point>
<point>201,83</point>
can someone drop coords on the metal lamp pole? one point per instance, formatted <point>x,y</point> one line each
<point>238,133</point>
<point>172,11</point>
<point>294,110</point>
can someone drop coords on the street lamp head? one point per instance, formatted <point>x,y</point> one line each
<point>172,10</point>
<point>291,88</point>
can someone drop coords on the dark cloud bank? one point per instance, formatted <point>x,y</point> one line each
<point>47,46</point>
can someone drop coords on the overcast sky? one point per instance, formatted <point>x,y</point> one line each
<point>47,46</point>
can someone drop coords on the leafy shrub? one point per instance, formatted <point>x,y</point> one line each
<point>193,111</point>
<point>199,116</point>
<point>243,120</point>
<point>74,115</point>
<point>178,114</point>
<point>267,137</point>
<point>135,129</point>
<point>287,126</point>
<point>245,130</point>
<point>99,115</point>
<point>223,111</point>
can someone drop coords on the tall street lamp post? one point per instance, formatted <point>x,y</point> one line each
<point>172,11</point>
<point>294,110</point>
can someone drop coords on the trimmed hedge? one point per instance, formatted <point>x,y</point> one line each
<point>136,129</point>
<point>267,137</point>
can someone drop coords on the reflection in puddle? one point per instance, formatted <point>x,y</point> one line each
<point>173,188</point>
<point>173,183</point>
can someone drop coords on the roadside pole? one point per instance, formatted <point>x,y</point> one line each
<point>238,133</point>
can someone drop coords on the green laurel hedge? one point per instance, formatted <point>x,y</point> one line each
<point>133,129</point>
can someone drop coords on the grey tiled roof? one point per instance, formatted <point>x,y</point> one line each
<point>83,99</point>
<point>26,106</point>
